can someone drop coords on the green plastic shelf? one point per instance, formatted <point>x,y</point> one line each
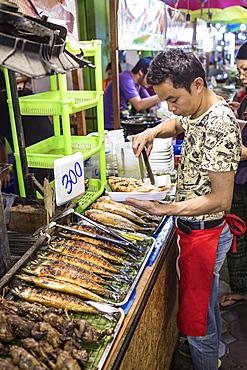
<point>95,189</point>
<point>50,104</point>
<point>43,154</point>
<point>89,48</point>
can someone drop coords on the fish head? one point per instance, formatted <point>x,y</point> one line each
<point>22,292</point>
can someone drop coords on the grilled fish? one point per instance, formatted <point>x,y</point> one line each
<point>93,248</point>
<point>53,299</point>
<point>116,221</point>
<point>109,246</point>
<point>137,211</point>
<point>61,286</point>
<point>53,262</point>
<point>76,261</point>
<point>116,209</point>
<point>136,249</point>
<point>87,255</point>
<point>63,274</point>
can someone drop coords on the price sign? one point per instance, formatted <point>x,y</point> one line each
<point>69,178</point>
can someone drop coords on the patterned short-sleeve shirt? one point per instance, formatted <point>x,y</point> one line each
<point>212,142</point>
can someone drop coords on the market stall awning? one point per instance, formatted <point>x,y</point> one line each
<point>200,4</point>
<point>231,15</point>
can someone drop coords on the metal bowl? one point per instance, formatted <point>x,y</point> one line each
<point>135,125</point>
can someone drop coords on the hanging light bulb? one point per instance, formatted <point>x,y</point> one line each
<point>188,23</point>
<point>187,19</point>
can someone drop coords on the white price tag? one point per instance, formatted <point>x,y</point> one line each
<point>69,178</point>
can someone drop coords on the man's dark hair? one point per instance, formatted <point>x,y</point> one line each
<point>181,67</point>
<point>142,65</point>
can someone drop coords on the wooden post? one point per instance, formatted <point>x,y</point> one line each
<point>113,6</point>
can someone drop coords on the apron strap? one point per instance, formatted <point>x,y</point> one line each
<point>235,222</point>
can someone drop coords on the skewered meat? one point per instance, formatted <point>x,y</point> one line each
<point>6,365</point>
<point>48,333</point>
<point>66,362</point>
<point>24,360</point>
<point>88,332</point>
<point>19,326</point>
<point>6,334</point>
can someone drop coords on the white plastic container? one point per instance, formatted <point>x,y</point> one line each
<point>127,163</point>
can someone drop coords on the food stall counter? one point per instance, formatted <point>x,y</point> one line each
<point>149,332</point>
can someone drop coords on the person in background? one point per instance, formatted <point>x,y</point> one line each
<point>108,71</point>
<point>4,173</point>
<point>237,262</point>
<point>133,89</point>
<point>209,158</point>
<point>36,128</point>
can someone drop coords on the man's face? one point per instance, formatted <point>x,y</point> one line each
<point>142,80</point>
<point>180,101</point>
<point>242,69</point>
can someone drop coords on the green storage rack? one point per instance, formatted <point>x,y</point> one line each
<point>59,103</point>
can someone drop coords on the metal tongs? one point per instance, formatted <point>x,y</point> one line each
<point>148,167</point>
<point>116,236</point>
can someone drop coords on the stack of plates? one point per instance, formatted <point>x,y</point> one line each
<point>162,158</point>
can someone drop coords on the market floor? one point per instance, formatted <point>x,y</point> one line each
<point>233,346</point>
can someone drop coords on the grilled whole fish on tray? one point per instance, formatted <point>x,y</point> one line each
<point>137,211</point>
<point>115,221</point>
<point>108,246</point>
<point>54,299</point>
<point>121,211</point>
<point>93,248</point>
<point>61,286</point>
<point>43,260</point>
<point>67,275</point>
<point>76,261</point>
<point>87,255</point>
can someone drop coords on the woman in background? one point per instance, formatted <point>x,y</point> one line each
<point>237,261</point>
<point>108,71</point>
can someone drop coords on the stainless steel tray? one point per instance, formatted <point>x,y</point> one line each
<point>134,272</point>
<point>99,351</point>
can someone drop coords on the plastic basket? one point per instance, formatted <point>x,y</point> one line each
<point>95,189</point>
<point>50,104</point>
<point>43,154</point>
<point>89,48</point>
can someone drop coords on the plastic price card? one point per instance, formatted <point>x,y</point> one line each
<point>69,178</point>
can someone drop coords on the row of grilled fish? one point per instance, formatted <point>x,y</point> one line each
<point>46,344</point>
<point>122,216</point>
<point>74,271</point>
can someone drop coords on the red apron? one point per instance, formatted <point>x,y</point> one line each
<point>195,267</point>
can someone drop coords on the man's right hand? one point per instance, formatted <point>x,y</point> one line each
<point>142,140</point>
<point>4,179</point>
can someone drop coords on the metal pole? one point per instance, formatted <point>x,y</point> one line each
<point>30,191</point>
<point>5,256</point>
<point>113,6</point>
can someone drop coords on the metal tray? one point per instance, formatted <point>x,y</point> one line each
<point>99,351</point>
<point>135,275</point>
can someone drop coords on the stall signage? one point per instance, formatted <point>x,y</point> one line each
<point>69,178</point>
